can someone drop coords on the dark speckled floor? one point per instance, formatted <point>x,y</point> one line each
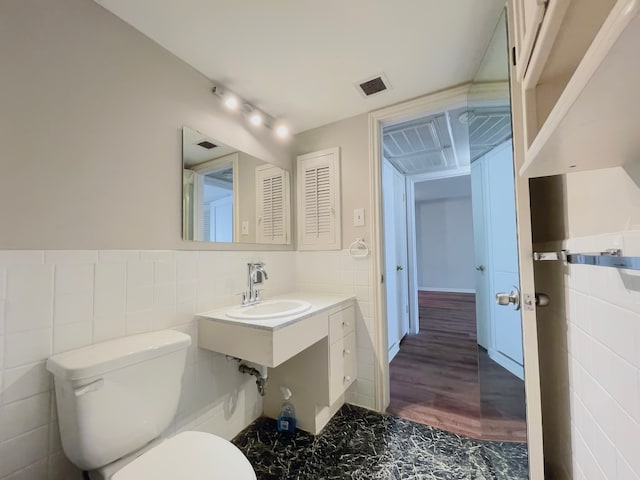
<point>360,444</point>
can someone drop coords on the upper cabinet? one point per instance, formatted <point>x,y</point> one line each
<point>318,202</point>
<point>528,15</point>
<point>272,205</point>
<point>578,84</point>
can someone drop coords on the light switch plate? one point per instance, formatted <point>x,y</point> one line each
<point>358,217</point>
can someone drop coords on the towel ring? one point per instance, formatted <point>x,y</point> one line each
<point>359,248</point>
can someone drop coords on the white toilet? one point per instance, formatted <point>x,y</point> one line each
<point>114,401</point>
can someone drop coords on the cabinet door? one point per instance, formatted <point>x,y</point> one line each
<point>528,16</point>
<point>272,205</point>
<point>319,223</point>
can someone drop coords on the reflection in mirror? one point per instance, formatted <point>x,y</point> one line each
<point>231,196</point>
<point>459,365</point>
<point>499,328</point>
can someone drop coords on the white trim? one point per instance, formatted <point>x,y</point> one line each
<point>412,248</point>
<point>412,259</point>
<point>430,104</point>
<point>393,351</point>
<point>425,177</point>
<point>490,94</point>
<point>527,283</point>
<point>215,164</point>
<point>447,290</point>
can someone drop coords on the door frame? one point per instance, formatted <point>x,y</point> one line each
<point>412,249</point>
<point>428,105</point>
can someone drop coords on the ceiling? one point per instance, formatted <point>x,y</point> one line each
<point>298,60</point>
<point>429,144</point>
<point>445,141</point>
<point>194,154</point>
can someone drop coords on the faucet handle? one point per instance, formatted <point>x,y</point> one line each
<point>244,297</point>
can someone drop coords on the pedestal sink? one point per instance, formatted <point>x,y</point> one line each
<point>270,309</point>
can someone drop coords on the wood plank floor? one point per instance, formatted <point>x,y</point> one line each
<point>441,378</point>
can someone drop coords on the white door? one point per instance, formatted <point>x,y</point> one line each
<point>396,280</point>
<point>483,306</point>
<point>400,230</point>
<point>503,265</point>
<point>221,220</point>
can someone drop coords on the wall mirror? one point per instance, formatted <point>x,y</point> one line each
<point>231,196</point>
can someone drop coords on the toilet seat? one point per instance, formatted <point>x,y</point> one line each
<point>190,455</point>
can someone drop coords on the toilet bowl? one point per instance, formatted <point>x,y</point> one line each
<point>114,401</point>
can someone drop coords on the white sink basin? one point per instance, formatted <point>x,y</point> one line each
<point>269,309</point>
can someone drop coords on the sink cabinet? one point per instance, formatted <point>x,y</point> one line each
<point>268,347</point>
<point>319,375</point>
<point>312,353</point>
<point>342,352</point>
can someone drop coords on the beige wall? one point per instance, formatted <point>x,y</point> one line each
<point>91,113</point>
<point>444,245</point>
<point>90,131</point>
<point>352,136</point>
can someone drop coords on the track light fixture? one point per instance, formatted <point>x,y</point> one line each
<point>255,116</point>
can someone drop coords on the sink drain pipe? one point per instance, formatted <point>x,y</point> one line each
<point>261,376</point>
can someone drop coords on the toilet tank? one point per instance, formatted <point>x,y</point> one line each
<point>114,397</point>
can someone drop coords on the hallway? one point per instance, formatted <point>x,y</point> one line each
<point>435,376</point>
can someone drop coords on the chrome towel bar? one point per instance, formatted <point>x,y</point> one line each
<point>610,258</point>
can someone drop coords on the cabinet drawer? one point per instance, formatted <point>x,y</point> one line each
<point>342,365</point>
<point>341,323</point>
<point>349,360</point>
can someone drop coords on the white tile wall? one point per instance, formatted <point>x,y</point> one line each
<point>603,351</point>
<point>52,301</point>
<point>339,272</point>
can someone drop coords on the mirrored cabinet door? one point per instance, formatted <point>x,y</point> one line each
<point>230,196</point>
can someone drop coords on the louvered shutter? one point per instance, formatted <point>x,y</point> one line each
<point>319,200</point>
<point>272,205</point>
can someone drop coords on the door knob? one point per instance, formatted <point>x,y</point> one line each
<point>542,299</point>
<point>399,267</point>
<point>512,298</point>
<point>480,268</point>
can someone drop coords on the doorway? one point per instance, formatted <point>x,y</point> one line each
<point>443,371</point>
<point>490,89</point>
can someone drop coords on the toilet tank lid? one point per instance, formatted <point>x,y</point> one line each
<point>111,355</point>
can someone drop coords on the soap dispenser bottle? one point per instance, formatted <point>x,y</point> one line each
<point>287,417</point>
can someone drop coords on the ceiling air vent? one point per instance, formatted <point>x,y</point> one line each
<point>373,86</point>
<point>207,145</point>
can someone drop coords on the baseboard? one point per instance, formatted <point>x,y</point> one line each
<point>393,351</point>
<point>505,362</point>
<point>446,290</point>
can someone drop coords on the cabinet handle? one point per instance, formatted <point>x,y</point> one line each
<point>345,324</point>
<point>346,351</point>
<point>347,379</point>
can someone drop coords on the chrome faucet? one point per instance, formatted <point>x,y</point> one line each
<point>257,274</point>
